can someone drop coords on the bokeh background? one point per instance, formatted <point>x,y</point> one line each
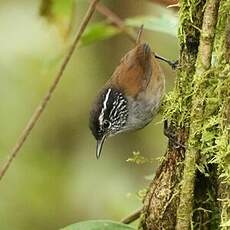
<point>56,179</point>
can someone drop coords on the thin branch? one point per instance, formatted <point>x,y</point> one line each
<point>41,107</point>
<point>119,23</point>
<point>177,5</point>
<point>132,217</point>
<point>116,21</point>
<point>165,2</point>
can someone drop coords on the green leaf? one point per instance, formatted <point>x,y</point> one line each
<point>165,23</point>
<point>98,31</point>
<point>98,225</point>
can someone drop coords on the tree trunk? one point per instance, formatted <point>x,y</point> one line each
<point>191,189</point>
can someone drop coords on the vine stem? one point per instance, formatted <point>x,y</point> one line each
<point>132,217</point>
<point>42,105</point>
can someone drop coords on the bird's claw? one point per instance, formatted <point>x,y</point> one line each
<point>172,136</point>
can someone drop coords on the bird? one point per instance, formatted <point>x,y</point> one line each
<point>131,97</point>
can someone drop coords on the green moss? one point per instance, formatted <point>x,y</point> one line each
<point>220,41</point>
<point>207,92</point>
<point>199,107</point>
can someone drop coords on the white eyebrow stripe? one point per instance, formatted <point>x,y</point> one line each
<point>104,107</point>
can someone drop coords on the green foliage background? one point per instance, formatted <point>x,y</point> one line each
<point>56,179</point>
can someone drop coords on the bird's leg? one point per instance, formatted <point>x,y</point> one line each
<point>173,64</point>
<point>172,136</point>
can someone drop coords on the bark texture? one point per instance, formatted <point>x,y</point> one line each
<point>191,189</point>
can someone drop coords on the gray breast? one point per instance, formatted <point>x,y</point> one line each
<point>142,111</point>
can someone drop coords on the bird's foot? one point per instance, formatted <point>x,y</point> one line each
<point>174,64</point>
<point>172,136</point>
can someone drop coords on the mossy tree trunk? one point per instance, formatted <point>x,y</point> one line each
<point>191,189</point>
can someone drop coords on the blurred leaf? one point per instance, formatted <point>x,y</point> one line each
<point>59,13</point>
<point>98,31</point>
<point>45,8</point>
<point>98,225</point>
<point>164,23</point>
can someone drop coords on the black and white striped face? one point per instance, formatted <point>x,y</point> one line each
<point>110,114</point>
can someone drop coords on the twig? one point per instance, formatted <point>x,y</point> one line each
<point>177,5</point>
<point>119,23</point>
<point>41,107</point>
<point>132,217</point>
<point>115,20</point>
<point>165,2</point>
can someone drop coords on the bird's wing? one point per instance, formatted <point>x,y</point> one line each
<point>135,70</point>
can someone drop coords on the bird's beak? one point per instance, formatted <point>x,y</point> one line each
<point>99,146</point>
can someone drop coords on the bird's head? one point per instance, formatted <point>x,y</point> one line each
<point>108,116</point>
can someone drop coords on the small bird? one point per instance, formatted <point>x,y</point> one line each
<point>130,98</point>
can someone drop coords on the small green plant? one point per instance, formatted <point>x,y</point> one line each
<point>138,159</point>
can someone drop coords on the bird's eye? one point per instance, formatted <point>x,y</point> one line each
<point>106,124</point>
